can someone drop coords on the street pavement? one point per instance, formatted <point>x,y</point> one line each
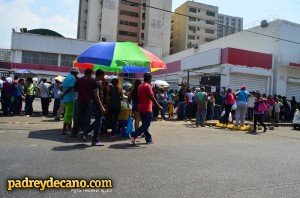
<point>184,161</point>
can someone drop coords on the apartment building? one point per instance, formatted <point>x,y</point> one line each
<point>194,24</point>
<point>126,20</point>
<point>228,25</point>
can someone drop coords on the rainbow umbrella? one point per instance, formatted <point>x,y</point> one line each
<point>126,57</point>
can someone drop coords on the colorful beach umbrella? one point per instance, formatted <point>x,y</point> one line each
<point>120,57</point>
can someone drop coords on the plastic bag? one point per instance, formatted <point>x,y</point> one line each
<point>129,127</point>
<point>234,106</point>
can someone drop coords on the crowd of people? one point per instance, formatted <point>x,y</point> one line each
<point>80,99</point>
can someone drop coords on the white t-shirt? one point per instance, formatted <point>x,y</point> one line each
<point>190,95</point>
<point>44,90</point>
<point>251,101</point>
<point>277,106</point>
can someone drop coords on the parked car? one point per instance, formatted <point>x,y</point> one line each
<point>296,120</point>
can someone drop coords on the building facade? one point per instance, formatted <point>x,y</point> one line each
<point>265,58</point>
<point>121,20</point>
<point>194,24</point>
<point>228,25</point>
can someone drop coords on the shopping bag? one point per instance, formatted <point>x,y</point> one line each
<point>262,107</point>
<point>234,106</point>
<point>129,127</point>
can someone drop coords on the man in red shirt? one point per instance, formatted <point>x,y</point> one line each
<point>146,99</point>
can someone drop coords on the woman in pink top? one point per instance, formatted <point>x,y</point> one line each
<point>229,101</point>
<point>270,104</point>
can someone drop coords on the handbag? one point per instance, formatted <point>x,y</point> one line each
<point>262,107</point>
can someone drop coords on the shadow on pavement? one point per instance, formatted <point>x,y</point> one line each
<point>187,125</point>
<point>52,135</point>
<point>71,148</point>
<point>127,146</point>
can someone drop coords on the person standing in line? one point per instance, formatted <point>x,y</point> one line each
<point>115,96</point>
<point>56,95</point>
<point>219,104</point>
<point>258,115</point>
<point>30,96</point>
<point>45,96</point>
<point>277,109</point>
<point>229,101</point>
<point>68,98</point>
<point>250,106</point>
<point>202,107</point>
<point>146,99</point>
<point>171,103</point>
<point>181,104</point>
<point>7,94</point>
<point>20,96</point>
<point>270,105</point>
<point>161,99</point>
<point>190,103</point>
<point>97,109</point>
<point>135,101</point>
<point>242,101</point>
<point>84,88</point>
<point>294,106</point>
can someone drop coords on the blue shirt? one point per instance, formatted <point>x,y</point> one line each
<point>69,81</point>
<point>242,96</point>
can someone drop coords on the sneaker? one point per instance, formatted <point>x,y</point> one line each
<point>132,139</point>
<point>252,132</point>
<point>97,144</point>
<point>151,142</point>
<point>83,136</point>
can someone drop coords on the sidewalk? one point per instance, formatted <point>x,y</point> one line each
<point>214,122</point>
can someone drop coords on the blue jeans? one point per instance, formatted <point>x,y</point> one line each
<point>96,125</point>
<point>181,114</point>
<point>56,106</point>
<point>144,128</point>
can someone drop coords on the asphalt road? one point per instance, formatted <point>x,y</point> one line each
<point>184,161</point>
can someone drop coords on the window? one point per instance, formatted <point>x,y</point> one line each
<point>221,21</point>
<point>67,60</point>
<point>193,10</point>
<point>129,13</point>
<point>210,22</point>
<point>125,33</point>
<point>199,10</point>
<point>133,24</point>
<point>221,17</point>
<point>192,19</point>
<point>209,31</point>
<point>198,28</point>
<point>192,28</point>
<point>39,58</point>
<point>190,37</point>
<point>232,30</point>
<point>233,19</point>
<point>209,39</point>
<point>209,13</point>
<point>198,37</point>
<point>123,22</point>
<point>130,3</point>
<point>142,35</point>
<point>233,23</point>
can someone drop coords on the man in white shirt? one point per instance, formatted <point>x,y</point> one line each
<point>250,106</point>
<point>45,96</point>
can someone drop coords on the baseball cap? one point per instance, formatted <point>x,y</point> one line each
<point>75,70</point>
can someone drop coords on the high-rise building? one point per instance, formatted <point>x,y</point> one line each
<point>229,25</point>
<point>195,24</point>
<point>126,20</point>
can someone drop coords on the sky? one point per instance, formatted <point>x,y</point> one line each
<point>62,15</point>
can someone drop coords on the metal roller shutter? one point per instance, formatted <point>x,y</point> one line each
<point>253,83</point>
<point>293,89</point>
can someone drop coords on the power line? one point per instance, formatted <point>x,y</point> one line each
<point>164,10</point>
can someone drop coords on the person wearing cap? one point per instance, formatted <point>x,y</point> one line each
<point>146,99</point>
<point>241,102</point>
<point>68,98</point>
<point>229,101</point>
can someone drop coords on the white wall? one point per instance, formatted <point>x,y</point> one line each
<point>93,20</point>
<point>158,25</point>
<point>208,58</point>
<point>289,52</point>
<point>48,44</point>
<point>110,13</point>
